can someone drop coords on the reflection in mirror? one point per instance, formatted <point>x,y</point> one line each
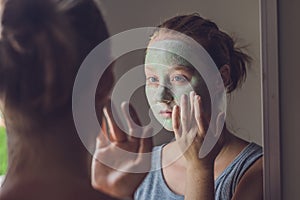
<point>244,114</point>
<point>243,24</point>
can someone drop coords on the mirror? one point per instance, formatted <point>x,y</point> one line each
<point>254,110</point>
<point>254,25</point>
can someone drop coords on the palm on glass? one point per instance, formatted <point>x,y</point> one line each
<point>190,125</point>
<point>122,172</point>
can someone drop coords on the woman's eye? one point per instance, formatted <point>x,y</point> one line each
<point>152,79</point>
<point>179,78</point>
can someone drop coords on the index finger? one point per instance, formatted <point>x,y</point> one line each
<point>132,119</point>
<point>116,134</point>
<point>102,138</point>
<point>199,115</point>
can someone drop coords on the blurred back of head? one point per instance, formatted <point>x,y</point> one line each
<point>43,43</point>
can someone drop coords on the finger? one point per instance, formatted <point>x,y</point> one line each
<point>191,116</point>
<point>192,96</point>
<point>112,110</point>
<point>184,113</point>
<point>199,115</point>
<point>102,139</point>
<point>130,115</point>
<point>134,116</point>
<point>176,122</point>
<point>116,134</point>
<point>129,111</point>
<point>104,127</point>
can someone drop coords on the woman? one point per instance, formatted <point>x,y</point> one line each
<point>233,168</point>
<point>181,102</point>
<point>42,46</point>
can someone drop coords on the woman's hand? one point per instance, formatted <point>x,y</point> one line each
<point>190,126</point>
<point>118,174</point>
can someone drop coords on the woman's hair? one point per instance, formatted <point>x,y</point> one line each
<point>42,46</point>
<point>218,44</point>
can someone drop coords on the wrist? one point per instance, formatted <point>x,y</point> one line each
<point>200,175</point>
<point>200,166</point>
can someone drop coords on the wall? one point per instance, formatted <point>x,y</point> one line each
<point>289,32</point>
<point>243,23</point>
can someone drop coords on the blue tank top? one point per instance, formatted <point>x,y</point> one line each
<point>154,186</point>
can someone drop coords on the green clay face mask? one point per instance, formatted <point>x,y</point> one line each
<point>166,58</point>
<point>168,77</point>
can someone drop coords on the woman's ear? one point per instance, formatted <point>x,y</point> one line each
<point>225,74</point>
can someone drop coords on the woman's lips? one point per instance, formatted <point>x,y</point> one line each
<point>166,113</point>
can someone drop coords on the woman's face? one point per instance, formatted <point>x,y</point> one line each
<point>168,77</point>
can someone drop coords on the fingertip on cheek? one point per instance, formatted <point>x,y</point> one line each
<point>197,97</point>
<point>183,97</point>
<point>175,108</point>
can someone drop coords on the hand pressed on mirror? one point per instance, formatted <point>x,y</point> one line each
<point>119,175</point>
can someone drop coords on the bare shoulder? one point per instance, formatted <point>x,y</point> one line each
<point>251,183</point>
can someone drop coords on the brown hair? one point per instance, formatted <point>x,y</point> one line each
<point>217,43</point>
<point>42,46</point>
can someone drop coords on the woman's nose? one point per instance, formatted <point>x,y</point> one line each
<point>164,94</point>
